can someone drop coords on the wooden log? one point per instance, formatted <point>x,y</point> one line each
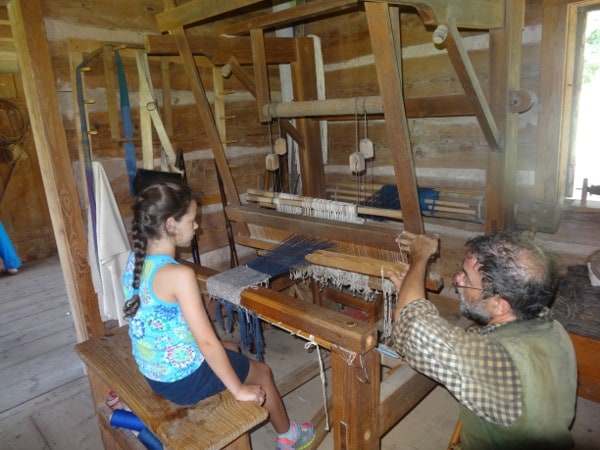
<point>399,393</point>
<point>327,328</point>
<point>278,50</point>
<point>291,16</point>
<point>377,237</point>
<point>357,264</point>
<point>385,35</point>
<point>367,266</point>
<point>476,14</point>
<point>261,75</point>
<point>466,73</point>
<point>196,11</point>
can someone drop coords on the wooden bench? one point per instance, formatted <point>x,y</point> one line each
<point>587,351</point>
<point>217,422</point>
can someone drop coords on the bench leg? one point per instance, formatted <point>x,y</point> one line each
<point>241,443</point>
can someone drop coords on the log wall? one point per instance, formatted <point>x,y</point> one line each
<point>449,152</point>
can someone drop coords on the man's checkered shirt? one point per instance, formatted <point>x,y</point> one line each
<point>477,370</point>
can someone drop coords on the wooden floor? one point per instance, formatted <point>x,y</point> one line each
<point>44,395</point>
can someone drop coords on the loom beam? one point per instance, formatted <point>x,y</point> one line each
<point>355,365</point>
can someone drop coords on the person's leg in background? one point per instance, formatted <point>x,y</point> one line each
<point>7,253</point>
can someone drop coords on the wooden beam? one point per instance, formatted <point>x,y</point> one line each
<point>261,73</point>
<point>362,234</point>
<point>205,111</point>
<point>551,144</point>
<point>27,22</point>
<point>110,75</point>
<point>505,77</point>
<point>437,106</point>
<point>290,16</point>
<point>357,401</point>
<point>278,50</point>
<point>248,83</point>
<point>329,328</point>
<point>476,14</point>
<point>304,81</point>
<point>399,393</point>
<point>468,78</point>
<point>385,45</point>
<point>166,92</point>
<point>196,11</point>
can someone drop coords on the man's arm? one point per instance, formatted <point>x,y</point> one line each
<point>412,287</point>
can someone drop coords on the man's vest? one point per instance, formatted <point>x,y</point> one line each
<point>543,354</point>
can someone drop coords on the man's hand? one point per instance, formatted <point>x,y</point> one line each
<point>421,246</point>
<point>412,286</point>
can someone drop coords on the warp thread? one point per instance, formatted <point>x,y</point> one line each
<point>356,283</point>
<point>251,337</point>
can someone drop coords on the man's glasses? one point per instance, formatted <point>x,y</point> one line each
<point>466,287</point>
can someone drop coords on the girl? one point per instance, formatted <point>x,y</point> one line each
<point>174,343</point>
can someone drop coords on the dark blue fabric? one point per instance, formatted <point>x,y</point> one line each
<point>130,161</point>
<point>202,383</point>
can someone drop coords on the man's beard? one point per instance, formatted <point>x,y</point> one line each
<point>473,310</point>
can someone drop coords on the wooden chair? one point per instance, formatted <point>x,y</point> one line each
<point>217,422</point>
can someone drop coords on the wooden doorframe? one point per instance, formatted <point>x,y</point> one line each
<point>35,63</point>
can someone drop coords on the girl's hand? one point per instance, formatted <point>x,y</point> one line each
<point>251,393</point>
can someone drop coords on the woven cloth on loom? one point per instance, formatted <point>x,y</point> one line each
<point>228,285</point>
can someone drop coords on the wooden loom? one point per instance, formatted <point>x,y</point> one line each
<point>356,380</point>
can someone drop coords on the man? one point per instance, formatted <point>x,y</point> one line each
<point>515,375</point>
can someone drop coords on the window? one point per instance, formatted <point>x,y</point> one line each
<point>584,149</point>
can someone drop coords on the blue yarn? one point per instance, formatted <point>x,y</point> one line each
<point>121,418</point>
<point>259,343</point>
<point>130,160</point>
<point>428,194</point>
<point>249,323</point>
<point>226,325</point>
<point>150,441</point>
<point>387,198</point>
<point>244,338</point>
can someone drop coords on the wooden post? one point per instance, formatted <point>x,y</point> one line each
<point>385,43</point>
<point>261,72</point>
<point>355,399</point>
<point>305,88</point>
<point>505,77</point>
<point>27,24</point>
<point>202,104</point>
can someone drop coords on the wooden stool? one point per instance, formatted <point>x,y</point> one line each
<point>217,422</point>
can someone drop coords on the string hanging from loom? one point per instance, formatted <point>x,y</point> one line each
<point>356,283</point>
<point>312,344</point>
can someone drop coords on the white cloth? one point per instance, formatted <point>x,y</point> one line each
<point>108,261</point>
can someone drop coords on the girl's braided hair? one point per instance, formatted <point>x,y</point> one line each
<point>151,209</point>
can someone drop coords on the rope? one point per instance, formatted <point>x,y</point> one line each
<point>312,344</point>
